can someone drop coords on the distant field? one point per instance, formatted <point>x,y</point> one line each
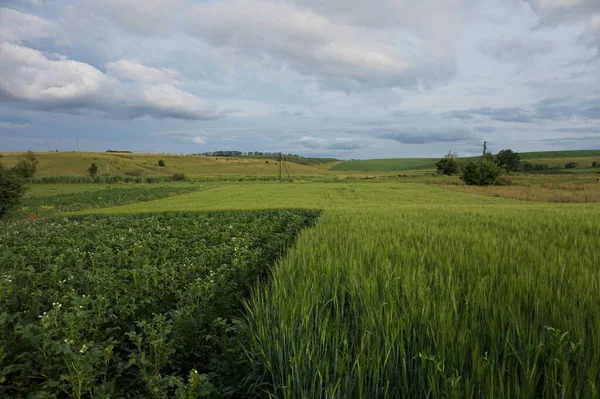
<point>552,158</point>
<point>71,163</point>
<point>385,165</point>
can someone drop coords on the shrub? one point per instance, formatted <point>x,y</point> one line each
<point>93,170</point>
<point>595,164</point>
<point>161,163</point>
<point>178,176</point>
<point>526,167</point>
<point>541,166</point>
<point>572,165</point>
<point>27,166</point>
<point>11,190</point>
<point>481,173</point>
<point>448,166</point>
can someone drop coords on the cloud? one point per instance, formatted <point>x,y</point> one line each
<point>39,81</point>
<point>505,114</point>
<point>140,16</point>
<point>484,129</point>
<point>341,143</point>
<point>419,135</point>
<point>567,108</point>
<point>16,26</point>
<point>579,130</point>
<point>554,12</point>
<point>339,54</point>
<point>515,48</point>
<point>558,11</point>
<point>14,126</point>
<point>186,136</point>
<point>134,70</point>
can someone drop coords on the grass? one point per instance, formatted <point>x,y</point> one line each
<point>405,290</point>
<point>72,163</point>
<point>552,158</point>
<point>550,192</point>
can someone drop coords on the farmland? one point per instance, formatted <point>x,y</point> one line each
<point>397,289</point>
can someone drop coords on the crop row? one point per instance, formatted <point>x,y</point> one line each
<point>131,306</point>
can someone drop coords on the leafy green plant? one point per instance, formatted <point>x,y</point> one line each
<point>27,166</point>
<point>93,170</point>
<point>11,190</point>
<point>74,323</point>
<point>180,176</point>
<point>481,173</point>
<point>161,163</point>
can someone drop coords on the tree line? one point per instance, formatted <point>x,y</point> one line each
<point>269,155</point>
<point>488,170</point>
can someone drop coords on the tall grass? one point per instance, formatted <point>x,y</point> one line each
<point>83,179</point>
<point>446,302</point>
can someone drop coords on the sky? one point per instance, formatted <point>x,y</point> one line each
<point>349,79</point>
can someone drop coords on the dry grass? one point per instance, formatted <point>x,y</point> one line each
<point>554,192</point>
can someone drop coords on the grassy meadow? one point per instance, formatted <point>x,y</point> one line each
<point>399,289</point>
<point>138,164</point>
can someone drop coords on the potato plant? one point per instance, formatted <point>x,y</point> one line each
<point>132,306</point>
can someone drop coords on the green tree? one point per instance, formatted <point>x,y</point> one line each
<point>448,166</point>
<point>509,160</point>
<point>161,163</point>
<point>93,170</point>
<point>481,173</point>
<point>11,190</point>
<point>27,166</point>
<point>595,164</point>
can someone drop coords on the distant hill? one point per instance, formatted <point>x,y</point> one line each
<point>138,164</point>
<point>552,158</point>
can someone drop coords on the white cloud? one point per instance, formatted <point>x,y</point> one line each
<point>515,48</point>
<point>338,143</point>
<point>31,77</point>
<point>338,53</point>
<point>186,136</point>
<point>136,71</point>
<point>16,26</point>
<point>142,16</point>
<point>14,126</point>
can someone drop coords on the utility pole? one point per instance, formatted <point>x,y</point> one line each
<point>282,162</point>
<point>485,150</point>
<point>78,146</point>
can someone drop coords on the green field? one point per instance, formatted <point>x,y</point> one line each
<point>552,158</point>
<point>398,290</point>
<point>76,164</point>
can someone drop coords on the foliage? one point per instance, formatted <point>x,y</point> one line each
<point>118,151</point>
<point>161,163</point>
<point>180,176</point>
<point>131,306</point>
<point>93,199</point>
<point>27,166</point>
<point>93,170</point>
<point>508,160</point>
<point>11,190</point>
<point>98,179</point>
<point>448,166</point>
<point>271,155</point>
<point>595,164</point>
<point>481,173</point>
<point>572,165</point>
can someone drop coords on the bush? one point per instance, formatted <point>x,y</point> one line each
<point>93,170</point>
<point>161,163</point>
<point>481,173</point>
<point>572,165</point>
<point>178,176</point>
<point>11,190</point>
<point>595,164</point>
<point>448,166</point>
<point>27,166</point>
